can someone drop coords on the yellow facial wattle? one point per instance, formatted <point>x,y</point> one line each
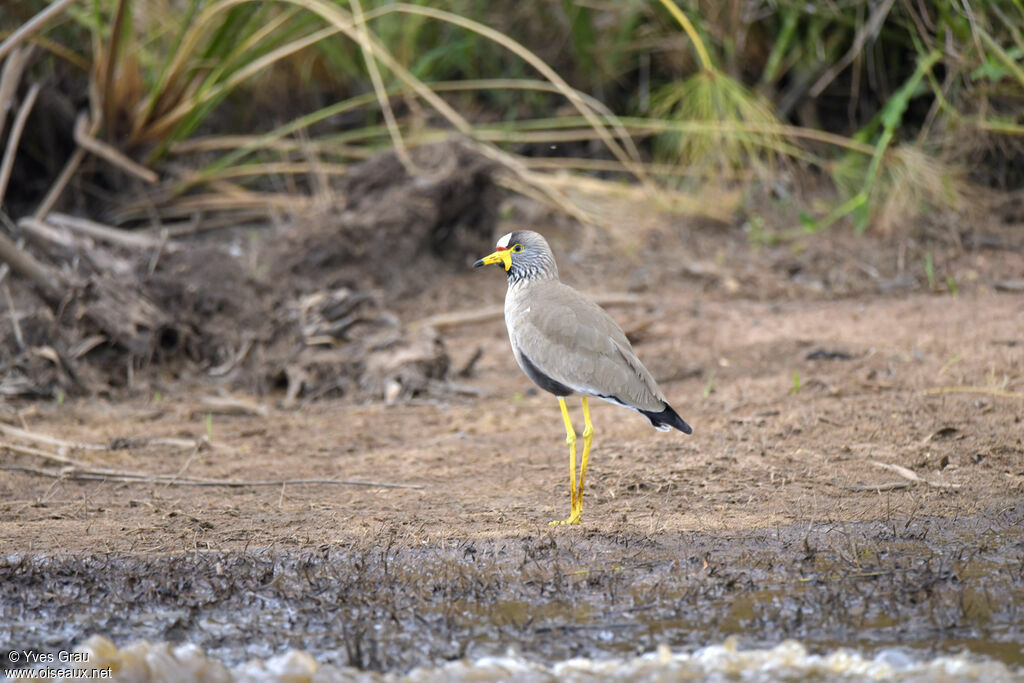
<point>502,256</point>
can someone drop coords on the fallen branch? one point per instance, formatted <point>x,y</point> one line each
<point>911,475</point>
<point>171,441</point>
<point>25,435</point>
<point>169,480</point>
<point>1010,285</point>
<point>889,486</point>
<point>28,450</point>
<point>1001,393</point>
<point>227,405</point>
<point>106,233</point>
<point>49,283</point>
<point>74,469</point>
<point>42,232</point>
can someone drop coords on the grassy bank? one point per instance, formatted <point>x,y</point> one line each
<point>139,109</point>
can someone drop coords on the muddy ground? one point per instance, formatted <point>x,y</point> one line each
<point>807,369</point>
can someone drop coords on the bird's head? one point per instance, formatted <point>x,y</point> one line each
<point>524,254</point>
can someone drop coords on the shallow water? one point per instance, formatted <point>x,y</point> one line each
<point>787,661</point>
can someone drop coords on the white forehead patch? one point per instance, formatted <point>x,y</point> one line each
<point>503,242</point>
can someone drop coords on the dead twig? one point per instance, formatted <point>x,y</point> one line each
<point>467,369</point>
<point>38,230</point>
<point>228,405</point>
<point>867,30</point>
<point>18,336</point>
<point>85,474</point>
<point>155,257</point>
<point>1001,393</point>
<point>537,186</point>
<point>28,450</point>
<point>86,345</point>
<point>236,202</point>
<point>10,78</point>
<point>48,281</point>
<point>231,363</point>
<point>106,233</point>
<point>889,486</point>
<point>201,445</point>
<point>171,441</point>
<point>911,475</point>
<point>32,25</point>
<point>66,173</point>
<point>15,138</point>
<point>25,435</point>
<point>1010,285</point>
<point>110,154</point>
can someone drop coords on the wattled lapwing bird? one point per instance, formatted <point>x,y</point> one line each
<point>568,344</point>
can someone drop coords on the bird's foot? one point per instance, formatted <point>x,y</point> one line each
<point>574,518</point>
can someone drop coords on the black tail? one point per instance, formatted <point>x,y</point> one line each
<point>667,418</point>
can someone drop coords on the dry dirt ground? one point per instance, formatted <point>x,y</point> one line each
<point>849,418</point>
<point>922,384</point>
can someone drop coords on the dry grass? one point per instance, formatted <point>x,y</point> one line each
<point>161,74</point>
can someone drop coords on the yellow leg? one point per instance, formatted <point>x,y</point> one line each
<point>588,436</point>
<point>570,438</point>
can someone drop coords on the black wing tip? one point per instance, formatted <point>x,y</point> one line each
<point>667,418</point>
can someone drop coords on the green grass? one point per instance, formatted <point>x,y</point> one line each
<point>709,386</point>
<point>951,285</point>
<point>891,101</point>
